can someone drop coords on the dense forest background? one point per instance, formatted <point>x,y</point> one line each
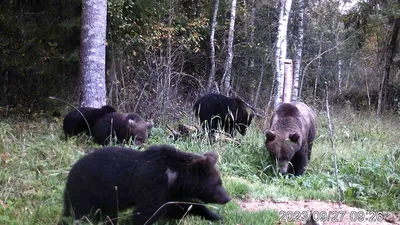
<point>158,54</point>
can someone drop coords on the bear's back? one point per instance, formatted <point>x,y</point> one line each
<point>308,116</point>
<point>212,104</point>
<point>75,121</point>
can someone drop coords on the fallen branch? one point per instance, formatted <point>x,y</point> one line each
<point>174,133</point>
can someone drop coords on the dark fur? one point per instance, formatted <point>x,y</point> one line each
<point>290,136</point>
<point>215,110</point>
<point>122,126</point>
<point>74,123</point>
<point>144,179</point>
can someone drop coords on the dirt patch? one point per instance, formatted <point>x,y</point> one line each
<point>326,213</point>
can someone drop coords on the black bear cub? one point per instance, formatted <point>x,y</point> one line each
<point>74,122</point>
<point>122,126</point>
<point>112,179</point>
<point>218,111</point>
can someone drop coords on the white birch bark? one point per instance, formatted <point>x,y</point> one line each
<point>280,54</point>
<point>339,74</point>
<point>338,29</point>
<point>299,52</point>
<point>93,53</point>
<point>214,24</point>
<point>252,28</point>
<point>226,78</point>
<point>167,83</point>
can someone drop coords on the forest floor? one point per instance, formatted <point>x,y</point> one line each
<point>338,214</point>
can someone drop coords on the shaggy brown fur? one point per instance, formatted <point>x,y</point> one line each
<point>290,136</point>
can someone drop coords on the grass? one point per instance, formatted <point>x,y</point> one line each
<point>35,160</point>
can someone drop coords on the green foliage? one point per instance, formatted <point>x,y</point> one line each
<point>237,188</point>
<point>36,61</point>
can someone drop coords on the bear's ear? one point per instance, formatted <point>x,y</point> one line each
<point>294,137</point>
<point>211,158</point>
<point>205,162</point>
<point>269,135</point>
<point>131,122</point>
<point>150,125</point>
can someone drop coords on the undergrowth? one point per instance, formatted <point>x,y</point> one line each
<point>35,159</point>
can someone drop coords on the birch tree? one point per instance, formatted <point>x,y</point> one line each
<point>299,51</point>
<point>281,45</point>
<point>340,63</point>
<point>252,19</point>
<point>226,78</point>
<point>93,53</point>
<point>390,53</point>
<point>214,24</point>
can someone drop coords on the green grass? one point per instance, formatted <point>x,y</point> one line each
<point>35,160</point>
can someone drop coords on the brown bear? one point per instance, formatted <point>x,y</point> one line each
<point>290,137</point>
<point>83,119</point>
<point>122,126</point>
<point>219,111</point>
<point>113,179</point>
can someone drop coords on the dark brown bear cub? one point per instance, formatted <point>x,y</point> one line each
<point>74,122</point>
<point>290,136</point>
<point>113,179</point>
<point>123,126</point>
<point>218,111</point>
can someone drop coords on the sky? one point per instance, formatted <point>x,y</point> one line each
<point>347,4</point>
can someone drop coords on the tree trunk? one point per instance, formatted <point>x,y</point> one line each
<point>299,52</point>
<point>167,83</point>
<point>252,28</point>
<point>226,78</point>
<point>252,47</point>
<point>214,23</point>
<point>318,70</point>
<point>260,80</point>
<point>280,54</point>
<point>338,29</point>
<point>339,64</point>
<point>93,53</point>
<point>288,81</point>
<point>391,48</point>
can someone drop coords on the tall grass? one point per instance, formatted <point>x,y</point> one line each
<point>35,160</point>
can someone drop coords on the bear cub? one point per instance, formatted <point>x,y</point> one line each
<point>74,122</point>
<point>122,126</point>
<point>218,111</point>
<point>112,179</point>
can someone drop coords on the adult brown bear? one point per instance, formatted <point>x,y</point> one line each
<point>113,179</point>
<point>290,136</point>
<point>123,127</point>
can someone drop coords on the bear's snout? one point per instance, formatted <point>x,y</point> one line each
<point>283,167</point>
<point>222,196</point>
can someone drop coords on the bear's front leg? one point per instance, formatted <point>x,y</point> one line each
<point>178,211</point>
<point>299,161</point>
<point>204,212</point>
<point>147,214</point>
